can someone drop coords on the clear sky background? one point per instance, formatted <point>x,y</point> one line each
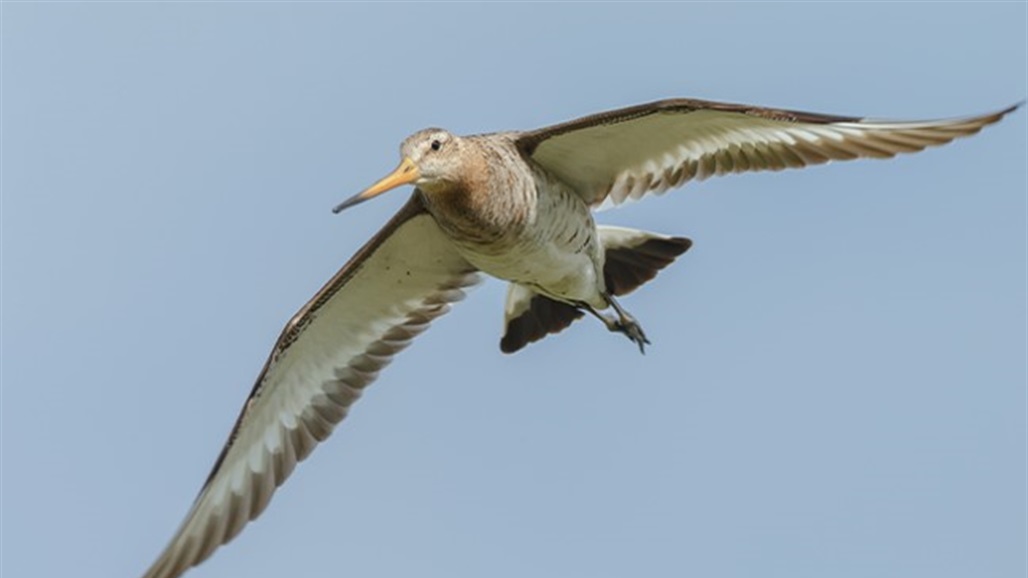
<point>836,385</point>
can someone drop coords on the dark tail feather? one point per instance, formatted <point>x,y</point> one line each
<point>543,316</point>
<point>628,267</point>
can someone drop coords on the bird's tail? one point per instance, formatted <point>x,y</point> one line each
<point>632,258</point>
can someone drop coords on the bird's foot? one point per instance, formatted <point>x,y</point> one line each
<point>632,330</point>
<point>623,323</point>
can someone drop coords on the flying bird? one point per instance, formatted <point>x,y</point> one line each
<point>517,206</point>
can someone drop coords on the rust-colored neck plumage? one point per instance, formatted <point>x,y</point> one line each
<point>489,196</point>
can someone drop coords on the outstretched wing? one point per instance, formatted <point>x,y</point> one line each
<point>388,293</point>
<point>624,154</point>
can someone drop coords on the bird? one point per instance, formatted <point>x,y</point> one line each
<point>517,206</point>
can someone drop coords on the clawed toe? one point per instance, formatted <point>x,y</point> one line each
<point>633,331</point>
<point>623,323</point>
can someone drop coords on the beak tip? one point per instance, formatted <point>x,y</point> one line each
<point>404,174</point>
<point>345,205</point>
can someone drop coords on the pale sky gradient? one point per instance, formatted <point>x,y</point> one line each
<point>836,385</point>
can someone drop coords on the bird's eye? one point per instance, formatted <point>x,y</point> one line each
<point>436,145</point>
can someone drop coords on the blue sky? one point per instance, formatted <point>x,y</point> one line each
<point>836,385</point>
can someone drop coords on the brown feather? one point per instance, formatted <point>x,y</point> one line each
<point>626,268</point>
<point>543,317</point>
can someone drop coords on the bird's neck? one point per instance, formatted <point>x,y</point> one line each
<point>486,202</point>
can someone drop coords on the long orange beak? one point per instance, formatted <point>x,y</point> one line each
<point>404,174</point>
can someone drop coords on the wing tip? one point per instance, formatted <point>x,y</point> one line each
<point>996,116</point>
<point>979,120</point>
<point>1017,105</point>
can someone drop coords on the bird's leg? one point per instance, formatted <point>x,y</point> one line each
<point>624,323</point>
<point>628,325</point>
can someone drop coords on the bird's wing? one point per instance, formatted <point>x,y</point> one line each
<point>388,293</point>
<point>621,155</point>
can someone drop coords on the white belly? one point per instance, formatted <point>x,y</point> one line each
<point>549,270</point>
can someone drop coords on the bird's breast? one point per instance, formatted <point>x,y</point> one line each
<point>541,235</point>
<point>475,217</point>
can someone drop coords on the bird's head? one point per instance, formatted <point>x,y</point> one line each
<point>430,159</point>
